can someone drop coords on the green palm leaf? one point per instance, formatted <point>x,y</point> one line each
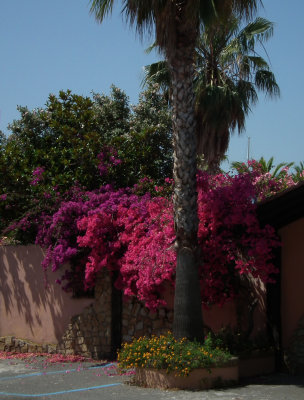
<point>228,75</point>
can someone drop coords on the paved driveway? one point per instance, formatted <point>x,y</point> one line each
<point>89,381</point>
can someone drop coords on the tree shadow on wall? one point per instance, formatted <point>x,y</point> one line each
<point>25,287</point>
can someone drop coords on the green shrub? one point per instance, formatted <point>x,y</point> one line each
<point>165,352</point>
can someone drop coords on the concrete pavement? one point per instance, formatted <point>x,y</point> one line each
<point>91,381</point>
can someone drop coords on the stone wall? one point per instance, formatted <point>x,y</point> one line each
<point>98,330</point>
<point>89,333</point>
<point>137,320</point>
<point>12,344</point>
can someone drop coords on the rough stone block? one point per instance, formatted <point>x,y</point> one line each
<point>144,312</point>
<point>9,340</point>
<point>139,326</point>
<point>80,340</point>
<point>131,332</point>
<point>96,341</point>
<point>157,324</point>
<point>127,338</point>
<point>152,315</point>
<point>136,309</point>
<point>84,347</point>
<point>69,352</point>
<point>52,348</point>
<point>162,313</point>
<point>32,348</point>
<point>23,349</point>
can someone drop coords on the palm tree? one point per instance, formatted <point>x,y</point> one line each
<point>228,74</point>
<point>298,172</point>
<point>264,166</point>
<point>176,26</point>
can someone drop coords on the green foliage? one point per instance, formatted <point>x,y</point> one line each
<point>146,150</point>
<point>276,171</point>
<point>298,173</point>
<point>66,137</point>
<point>178,356</point>
<point>238,344</point>
<point>61,138</point>
<point>228,75</point>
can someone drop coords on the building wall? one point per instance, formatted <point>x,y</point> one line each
<point>292,294</point>
<point>28,308</point>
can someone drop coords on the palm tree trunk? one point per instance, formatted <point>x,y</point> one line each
<point>188,320</point>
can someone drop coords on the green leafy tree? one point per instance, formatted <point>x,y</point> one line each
<point>228,76</point>
<point>62,138</point>
<point>176,26</point>
<point>149,142</point>
<point>112,114</point>
<point>66,137</point>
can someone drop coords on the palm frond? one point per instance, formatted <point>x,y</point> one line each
<point>278,169</point>
<point>101,8</point>
<point>299,168</point>
<point>267,165</point>
<point>265,81</point>
<point>157,73</point>
<point>150,48</point>
<point>219,8</point>
<point>257,62</point>
<point>240,167</point>
<point>246,8</point>
<point>247,95</point>
<point>260,28</point>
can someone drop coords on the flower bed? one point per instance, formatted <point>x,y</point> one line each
<point>165,362</point>
<point>199,378</point>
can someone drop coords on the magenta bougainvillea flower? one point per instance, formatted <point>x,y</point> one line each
<point>37,176</point>
<point>134,234</point>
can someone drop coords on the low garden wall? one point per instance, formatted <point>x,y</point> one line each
<point>35,317</point>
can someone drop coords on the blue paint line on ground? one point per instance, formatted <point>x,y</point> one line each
<point>62,371</point>
<point>61,392</point>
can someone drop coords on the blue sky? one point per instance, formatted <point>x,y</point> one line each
<point>47,46</point>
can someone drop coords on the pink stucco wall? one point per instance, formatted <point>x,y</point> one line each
<point>292,279</point>
<point>237,311</point>
<point>217,317</point>
<point>29,309</point>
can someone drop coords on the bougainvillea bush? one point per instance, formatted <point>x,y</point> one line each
<point>133,233</point>
<point>231,239</point>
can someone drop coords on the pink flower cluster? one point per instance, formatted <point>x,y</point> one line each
<point>134,234</point>
<point>107,159</point>
<point>266,185</point>
<point>37,176</point>
<point>231,239</point>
